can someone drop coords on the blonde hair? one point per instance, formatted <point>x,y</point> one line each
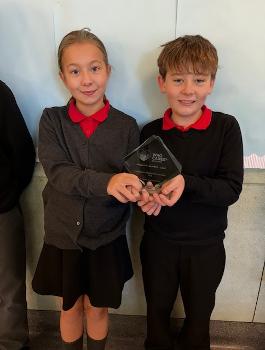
<point>189,53</point>
<point>79,36</point>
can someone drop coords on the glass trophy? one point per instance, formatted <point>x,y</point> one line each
<point>153,163</point>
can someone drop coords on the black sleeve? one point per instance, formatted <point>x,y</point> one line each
<point>149,129</point>
<point>16,143</point>
<point>224,188</point>
<point>143,135</point>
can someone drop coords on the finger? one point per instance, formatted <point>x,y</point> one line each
<point>148,206</point>
<point>144,208</point>
<point>168,187</point>
<point>157,199</point>
<point>145,195</point>
<point>134,181</point>
<point>152,209</point>
<point>135,193</point>
<point>127,194</point>
<point>175,195</point>
<point>176,183</point>
<point>171,199</point>
<point>150,212</point>
<point>157,211</point>
<point>142,203</point>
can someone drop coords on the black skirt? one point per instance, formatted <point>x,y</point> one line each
<point>100,273</point>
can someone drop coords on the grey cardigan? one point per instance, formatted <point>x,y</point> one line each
<point>78,170</point>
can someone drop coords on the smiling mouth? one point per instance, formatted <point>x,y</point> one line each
<point>187,102</point>
<point>89,93</point>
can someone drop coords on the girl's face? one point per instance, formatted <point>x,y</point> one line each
<point>85,74</point>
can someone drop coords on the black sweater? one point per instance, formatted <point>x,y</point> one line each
<point>212,166</point>
<point>17,154</point>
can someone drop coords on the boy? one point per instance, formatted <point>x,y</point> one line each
<point>183,246</point>
<point>17,155</point>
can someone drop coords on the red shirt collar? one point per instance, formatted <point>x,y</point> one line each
<point>77,116</point>
<point>201,124</point>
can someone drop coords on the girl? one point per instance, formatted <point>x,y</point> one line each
<point>85,258</point>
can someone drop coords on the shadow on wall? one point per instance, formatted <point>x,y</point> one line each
<point>135,230</point>
<point>148,72</point>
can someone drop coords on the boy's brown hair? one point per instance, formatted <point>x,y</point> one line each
<point>188,54</point>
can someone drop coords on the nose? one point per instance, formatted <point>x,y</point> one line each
<point>86,78</point>
<point>188,88</point>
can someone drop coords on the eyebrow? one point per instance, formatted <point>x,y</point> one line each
<point>186,73</point>
<point>90,63</point>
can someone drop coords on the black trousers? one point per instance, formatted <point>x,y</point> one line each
<point>197,271</point>
<point>13,306</point>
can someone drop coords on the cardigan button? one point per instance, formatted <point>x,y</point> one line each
<point>78,223</point>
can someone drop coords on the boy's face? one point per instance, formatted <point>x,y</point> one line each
<point>186,94</point>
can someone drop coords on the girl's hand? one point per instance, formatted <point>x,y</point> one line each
<point>170,192</point>
<point>150,207</point>
<point>147,204</point>
<point>124,187</point>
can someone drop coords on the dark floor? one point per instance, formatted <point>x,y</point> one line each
<point>127,333</point>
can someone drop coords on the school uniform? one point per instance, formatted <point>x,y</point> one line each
<point>183,247</point>
<point>85,228</point>
<point>17,158</point>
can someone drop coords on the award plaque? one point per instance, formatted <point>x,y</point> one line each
<point>152,162</point>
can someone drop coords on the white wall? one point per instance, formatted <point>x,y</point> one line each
<point>133,31</point>
<point>237,29</point>
<point>27,56</point>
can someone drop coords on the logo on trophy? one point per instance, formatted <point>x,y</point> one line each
<point>143,154</point>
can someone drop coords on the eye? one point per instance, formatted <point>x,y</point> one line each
<point>74,71</point>
<point>95,68</point>
<point>178,81</point>
<point>200,81</point>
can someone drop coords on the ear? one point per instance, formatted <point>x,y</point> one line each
<point>211,85</point>
<point>61,76</point>
<point>109,69</point>
<point>161,83</point>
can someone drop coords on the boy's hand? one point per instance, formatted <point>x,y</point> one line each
<point>124,187</point>
<point>170,191</point>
